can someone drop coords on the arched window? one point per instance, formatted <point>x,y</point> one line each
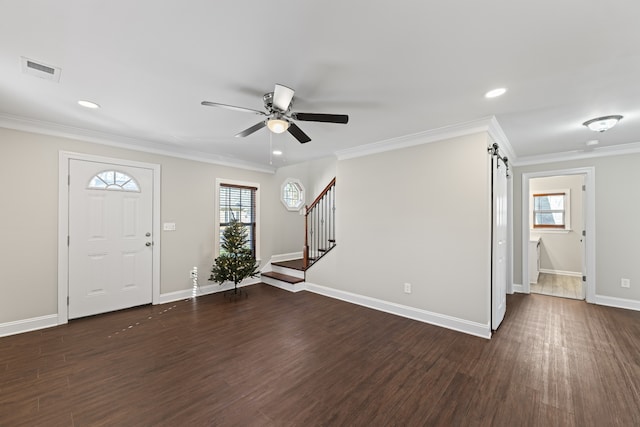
<point>113,180</point>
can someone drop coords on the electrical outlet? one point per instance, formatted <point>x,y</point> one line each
<point>407,288</point>
<point>625,283</point>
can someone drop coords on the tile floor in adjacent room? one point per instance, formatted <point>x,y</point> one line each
<point>558,286</point>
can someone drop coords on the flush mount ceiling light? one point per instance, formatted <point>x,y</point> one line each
<point>277,125</point>
<point>495,92</point>
<point>601,124</point>
<point>88,104</point>
<point>277,153</point>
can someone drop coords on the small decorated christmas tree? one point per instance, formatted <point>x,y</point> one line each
<point>236,262</point>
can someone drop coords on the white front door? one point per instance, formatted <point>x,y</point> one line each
<point>499,243</point>
<point>110,237</point>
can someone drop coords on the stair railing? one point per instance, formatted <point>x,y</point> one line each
<point>320,225</point>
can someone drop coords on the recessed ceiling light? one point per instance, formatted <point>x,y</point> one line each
<point>88,104</point>
<point>277,153</point>
<point>601,124</point>
<point>592,142</point>
<point>495,92</point>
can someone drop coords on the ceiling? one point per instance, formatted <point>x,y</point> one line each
<point>397,68</point>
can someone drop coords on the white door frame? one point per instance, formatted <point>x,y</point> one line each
<point>589,224</point>
<point>63,224</point>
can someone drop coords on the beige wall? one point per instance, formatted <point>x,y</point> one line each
<point>561,251</point>
<point>28,218</point>
<point>617,200</point>
<point>419,215</point>
<point>314,176</point>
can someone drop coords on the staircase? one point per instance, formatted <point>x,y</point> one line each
<point>285,275</point>
<point>319,239</point>
<point>320,226</point>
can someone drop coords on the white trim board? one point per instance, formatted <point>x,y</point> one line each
<point>627,304</point>
<point>64,158</point>
<point>297,287</point>
<point>436,319</point>
<point>489,125</point>
<point>27,325</point>
<point>519,289</point>
<point>95,137</point>
<point>613,150</point>
<point>286,257</point>
<point>211,288</point>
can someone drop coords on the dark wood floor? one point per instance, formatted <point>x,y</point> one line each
<point>280,358</point>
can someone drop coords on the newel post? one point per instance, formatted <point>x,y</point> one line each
<point>305,249</point>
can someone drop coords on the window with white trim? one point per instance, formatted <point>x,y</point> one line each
<point>550,210</point>
<point>238,201</point>
<point>292,194</point>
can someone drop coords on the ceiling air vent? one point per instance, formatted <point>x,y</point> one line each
<point>38,69</point>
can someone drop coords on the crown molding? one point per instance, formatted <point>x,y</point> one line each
<point>613,150</point>
<point>498,136</point>
<point>86,135</point>
<point>489,125</point>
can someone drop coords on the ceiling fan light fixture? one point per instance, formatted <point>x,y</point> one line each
<point>601,124</point>
<point>277,125</point>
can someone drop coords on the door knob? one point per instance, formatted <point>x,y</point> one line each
<point>148,244</point>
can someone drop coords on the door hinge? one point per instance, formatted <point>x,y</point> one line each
<point>584,188</point>
<point>584,233</point>
<point>67,299</point>
<point>68,240</point>
<point>68,180</point>
<point>584,278</point>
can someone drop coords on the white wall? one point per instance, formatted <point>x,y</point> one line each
<point>419,215</point>
<point>28,218</point>
<point>617,200</point>
<point>561,251</point>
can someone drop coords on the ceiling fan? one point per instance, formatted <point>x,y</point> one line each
<point>279,117</point>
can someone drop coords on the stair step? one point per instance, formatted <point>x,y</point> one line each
<point>282,277</point>
<point>295,264</point>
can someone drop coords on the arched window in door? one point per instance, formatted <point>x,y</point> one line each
<point>113,180</point>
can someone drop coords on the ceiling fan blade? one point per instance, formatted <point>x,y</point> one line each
<point>233,107</point>
<point>282,97</point>
<point>251,130</point>
<point>317,117</point>
<point>298,134</point>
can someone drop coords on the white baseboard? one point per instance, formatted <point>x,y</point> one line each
<point>519,289</point>
<point>628,304</point>
<point>27,325</point>
<point>210,288</point>
<point>562,272</point>
<point>460,325</point>
<point>286,257</point>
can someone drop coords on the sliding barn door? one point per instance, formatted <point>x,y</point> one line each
<point>499,250</point>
